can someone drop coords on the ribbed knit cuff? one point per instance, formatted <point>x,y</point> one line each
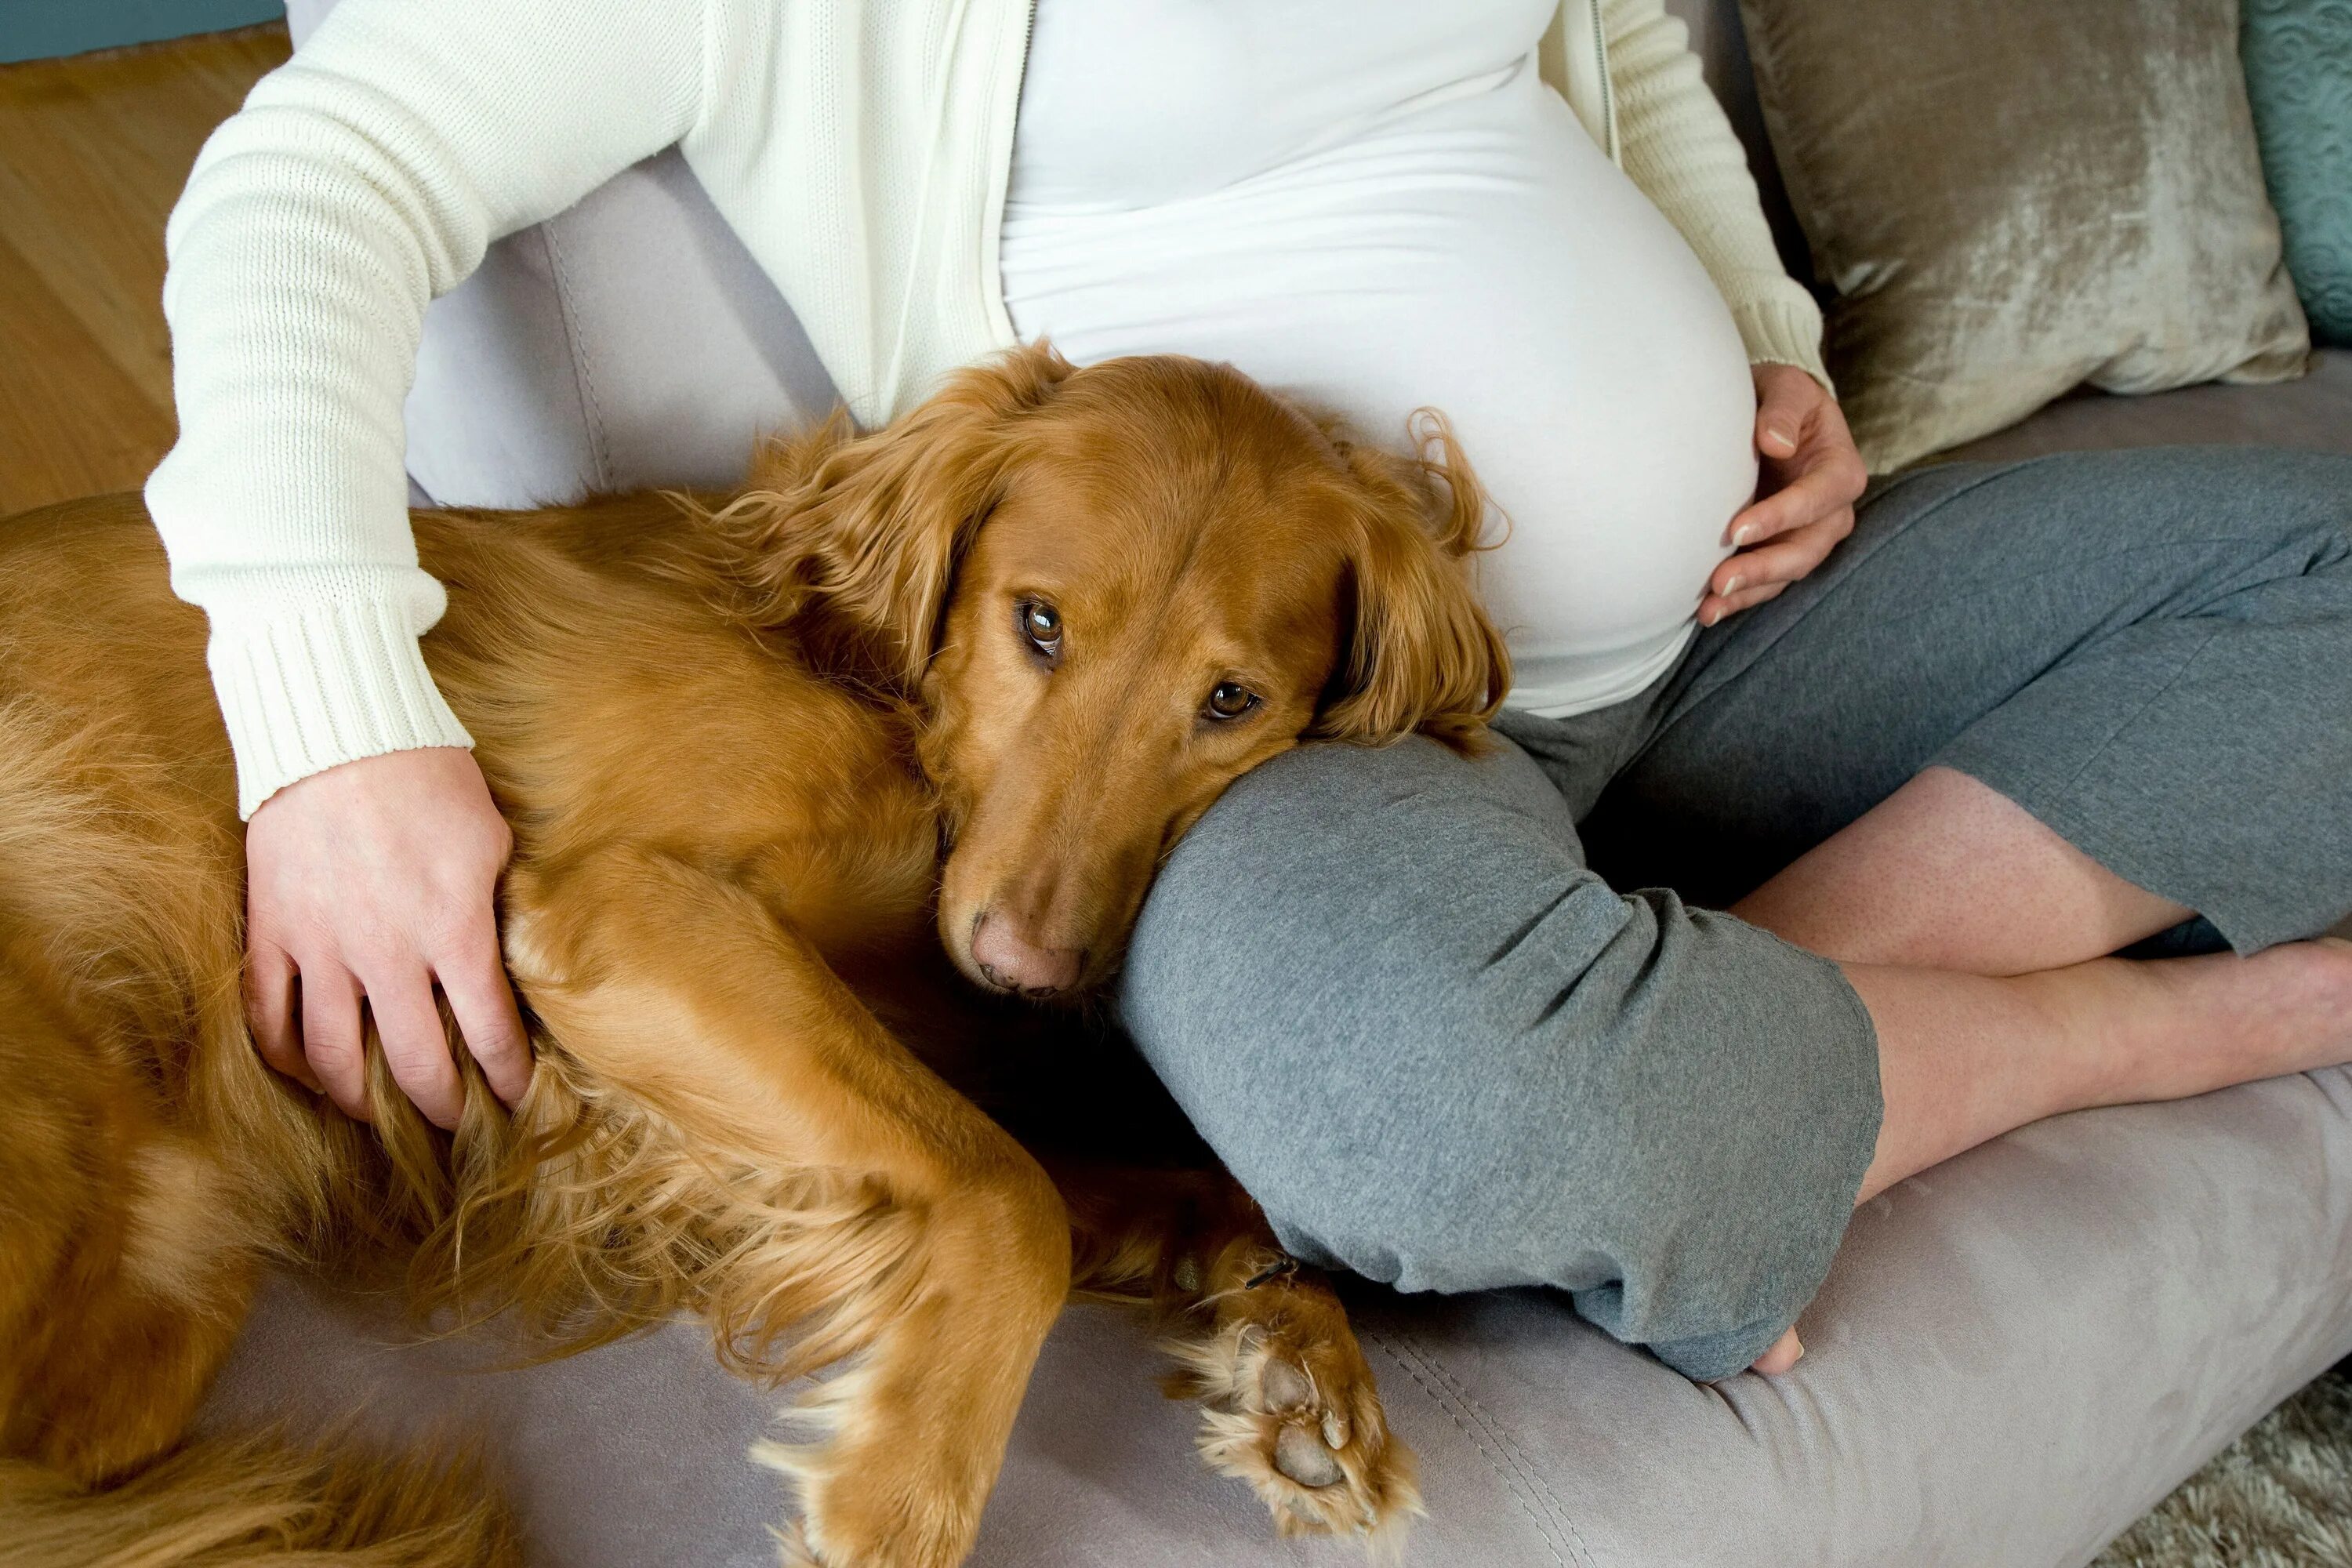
<point>330,683</point>
<point>1784,328</point>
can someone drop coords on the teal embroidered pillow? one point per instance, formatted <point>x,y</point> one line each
<point>2298,55</point>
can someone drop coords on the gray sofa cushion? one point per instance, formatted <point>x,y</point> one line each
<point>628,344</point>
<point>2314,414</point>
<point>2017,1354</point>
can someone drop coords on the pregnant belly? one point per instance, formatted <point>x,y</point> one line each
<point>1483,258</point>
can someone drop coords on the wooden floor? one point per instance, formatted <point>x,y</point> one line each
<point>93,152</point>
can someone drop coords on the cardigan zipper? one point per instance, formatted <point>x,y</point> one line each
<point>1608,90</point>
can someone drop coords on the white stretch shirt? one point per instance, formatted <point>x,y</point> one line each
<point>1377,205</point>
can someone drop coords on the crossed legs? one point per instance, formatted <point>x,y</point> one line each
<point>1978,939</point>
<point>1447,1022</point>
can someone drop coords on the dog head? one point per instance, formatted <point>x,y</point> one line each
<point>1111,591</point>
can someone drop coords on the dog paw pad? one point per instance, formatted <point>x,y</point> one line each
<point>1285,1386</point>
<point>1289,1406</point>
<point>1300,1454</point>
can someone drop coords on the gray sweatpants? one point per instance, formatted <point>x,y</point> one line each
<point>1403,998</point>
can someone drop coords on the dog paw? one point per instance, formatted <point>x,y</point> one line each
<point>1288,1404</point>
<point>870,1513</point>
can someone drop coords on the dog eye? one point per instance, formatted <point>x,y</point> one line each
<point>1229,701</point>
<point>1042,625</point>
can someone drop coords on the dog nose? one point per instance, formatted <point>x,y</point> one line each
<point>1013,962</point>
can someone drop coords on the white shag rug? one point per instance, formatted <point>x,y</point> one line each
<point>2280,1497</point>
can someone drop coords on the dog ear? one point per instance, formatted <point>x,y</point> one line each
<point>1420,653</point>
<point>857,537</point>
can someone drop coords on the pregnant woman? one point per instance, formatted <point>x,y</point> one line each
<point>2027,717</point>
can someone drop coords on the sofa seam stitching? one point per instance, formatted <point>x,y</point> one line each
<point>1543,1512</point>
<point>583,380</point>
<point>1480,1438</point>
<point>1509,1440</point>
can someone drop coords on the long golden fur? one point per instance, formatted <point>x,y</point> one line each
<point>770,761</point>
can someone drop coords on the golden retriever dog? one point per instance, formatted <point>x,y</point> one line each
<point>938,699</point>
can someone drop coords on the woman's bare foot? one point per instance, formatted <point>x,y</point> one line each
<point>2180,1026</point>
<point>1964,1059</point>
<point>1786,1352</point>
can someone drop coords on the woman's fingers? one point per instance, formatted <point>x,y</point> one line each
<point>1811,468</point>
<point>1752,576</point>
<point>1786,399</point>
<point>474,978</point>
<point>416,1047</point>
<point>1716,606</point>
<point>1828,483</point>
<point>1813,476</point>
<point>269,1004</point>
<point>331,1032</point>
<point>1784,560</point>
<point>1799,553</point>
<point>389,869</point>
<point>1800,501</point>
<point>329,1052</point>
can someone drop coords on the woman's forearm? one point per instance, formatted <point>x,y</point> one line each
<point>1676,144</point>
<point>361,180</point>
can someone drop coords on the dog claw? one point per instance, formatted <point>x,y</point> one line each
<point>1335,1429</point>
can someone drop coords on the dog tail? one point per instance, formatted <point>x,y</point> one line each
<point>228,1502</point>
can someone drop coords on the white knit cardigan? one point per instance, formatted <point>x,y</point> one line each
<point>861,148</point>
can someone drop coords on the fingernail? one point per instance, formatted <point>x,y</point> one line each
<point>1709,617</point>
<point>1731,585</point>
<point>1741,534</point>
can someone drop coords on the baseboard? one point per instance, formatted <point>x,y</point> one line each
<point>39,29</point>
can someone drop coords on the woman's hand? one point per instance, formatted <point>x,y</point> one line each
<point>376,879</point>
<point>1812,475</point>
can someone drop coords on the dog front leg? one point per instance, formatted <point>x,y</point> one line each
<point>920,1250</point>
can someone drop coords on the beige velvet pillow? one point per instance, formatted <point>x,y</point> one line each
<point>2009,197</point>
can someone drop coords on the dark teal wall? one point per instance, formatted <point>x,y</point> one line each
<point>35,29</point>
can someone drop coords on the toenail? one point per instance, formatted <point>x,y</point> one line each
<point>1335,1429</point>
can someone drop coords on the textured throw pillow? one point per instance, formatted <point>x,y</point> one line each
<point>2298,57</point>
<point>2010,197</point>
